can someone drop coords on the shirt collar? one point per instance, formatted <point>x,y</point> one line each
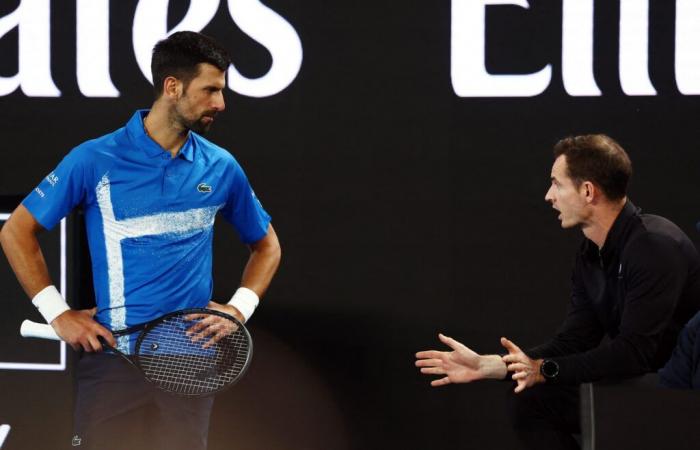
<point>143,141</point>
<point>614,239</point>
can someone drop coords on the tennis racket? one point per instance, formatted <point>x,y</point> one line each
<point>190,353</point>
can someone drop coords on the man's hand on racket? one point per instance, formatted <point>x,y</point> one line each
<point>461,365</point>
<point>526,370</point>
<point>227,309</point>
<point>80,330</point>
<point>211,327</point>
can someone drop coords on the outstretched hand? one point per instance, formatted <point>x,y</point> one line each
<point>461,365</point>
<point>526,370</point>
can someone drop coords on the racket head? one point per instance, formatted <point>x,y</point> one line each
<point>195,364</point>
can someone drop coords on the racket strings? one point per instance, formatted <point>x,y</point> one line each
<point>177,363</point>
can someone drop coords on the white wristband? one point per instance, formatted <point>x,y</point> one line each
<point>50,303</point>
<point>245,301</point>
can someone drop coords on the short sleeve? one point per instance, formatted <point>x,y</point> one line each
<point>243,209</point>
<point>59,192</point>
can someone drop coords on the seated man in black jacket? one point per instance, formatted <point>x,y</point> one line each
<point>682,371</point>
<point>636,279</point>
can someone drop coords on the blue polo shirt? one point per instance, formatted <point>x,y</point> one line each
<point>149,218</point>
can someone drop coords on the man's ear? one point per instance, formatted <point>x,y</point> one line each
<point>172,88</point>
<point>589,191</point>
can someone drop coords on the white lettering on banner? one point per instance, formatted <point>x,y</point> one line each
<point>688,46</point>
<point>33,20</point>
<point>470,78</point>
<point>92,48</point>
<point>4,431</point>
<point>468,71</point>
<point>634,48</point>
<point>577,48</point>
<point>274,33</point>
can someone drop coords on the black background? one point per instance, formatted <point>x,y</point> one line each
<point>402,209</point>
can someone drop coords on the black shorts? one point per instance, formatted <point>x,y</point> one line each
<point>116,408</point>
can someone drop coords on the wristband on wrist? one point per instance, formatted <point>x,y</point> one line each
<point>245,301</point>
<point>50,303</point>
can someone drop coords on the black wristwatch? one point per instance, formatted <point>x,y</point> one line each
<point>549,369</point>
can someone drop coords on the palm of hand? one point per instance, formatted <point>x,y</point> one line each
<point>462,365</point>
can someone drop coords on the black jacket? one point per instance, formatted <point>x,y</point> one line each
<point>639,290</point>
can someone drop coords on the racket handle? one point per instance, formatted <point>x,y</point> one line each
<point>38,330</point>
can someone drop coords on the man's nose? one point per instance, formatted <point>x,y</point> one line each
<point>219,103</point>
<point>548,197</point>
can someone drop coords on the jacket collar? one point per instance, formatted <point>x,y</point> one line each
<point>614,240</point>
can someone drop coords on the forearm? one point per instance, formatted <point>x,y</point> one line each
<point>618,358</point>
<point>25,257</point>
<point>262,264</point>
<point>562,345</point>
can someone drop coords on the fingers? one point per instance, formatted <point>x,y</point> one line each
<point>440,382</point>
<point>428,362</point>
<point>518,367</point>
<point>203,324</point>
<point>519,388</point>
<point>520,375</point>
<point>81,331</point>
<point>511,358</point>
<point>93,340</point>
<point>107,336</point>
<point>211,329</point>
<point>432,370</point>
<point>213,340</point>
<point>510,346</point>
<point>454,345</point>
<point>93,344</point>
<point>429,354</point>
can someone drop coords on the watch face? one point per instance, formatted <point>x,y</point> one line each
<point>549,368</point>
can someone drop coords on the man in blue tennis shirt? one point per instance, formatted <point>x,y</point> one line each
<point>150,192</point>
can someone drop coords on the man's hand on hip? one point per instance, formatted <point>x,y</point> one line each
<point>80,330</point>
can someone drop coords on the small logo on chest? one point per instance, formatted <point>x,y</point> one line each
<point>203,187</point>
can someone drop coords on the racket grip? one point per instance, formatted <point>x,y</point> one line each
<point>38,330</point>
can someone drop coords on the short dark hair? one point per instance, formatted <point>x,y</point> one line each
<point>180,54</point>
<point>599,159</point>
